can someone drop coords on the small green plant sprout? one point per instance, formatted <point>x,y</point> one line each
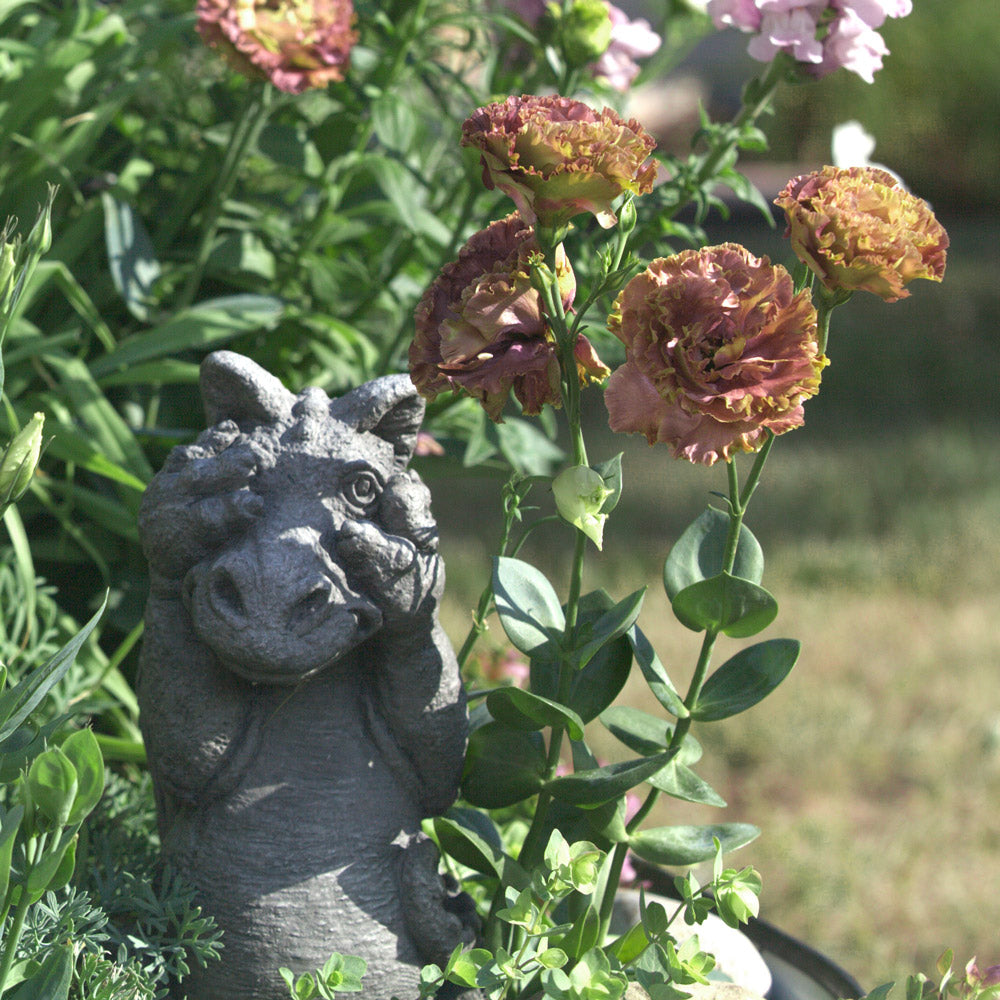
<point>340,974</point>
<point>971,983</point>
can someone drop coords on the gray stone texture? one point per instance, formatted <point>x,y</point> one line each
<point>301,706</point>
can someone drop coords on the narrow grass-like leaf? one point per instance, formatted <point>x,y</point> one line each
<point>131,258</point>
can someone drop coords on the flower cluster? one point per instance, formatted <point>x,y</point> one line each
<point>823,35</point>
<point>296,44</point>
<point>719,350</point>
<point>857,228</point>
<point>480,327</point>
<point>557,158</point>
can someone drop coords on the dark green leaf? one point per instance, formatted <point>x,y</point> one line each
<point>592,788</point>
<point>527,605</point>
<point>680,782</point>
<point>502,766</point>
<point>656,676</point>
<point>616,621</point>
<point>464,842</point>
<point>647,734</point>
<point>524,710</point>
<point>394,120</point>
<point>728,604</point>
<point>698,554</point>
<point>52,980</point>
<point>745,679</point>
<point>8,834</point>
<point>688,845</point>
<point>583,935</point>
<point>48,867</point>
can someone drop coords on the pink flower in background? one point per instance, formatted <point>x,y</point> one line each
<point>480,328</point>
<point>556,157</point>
<point>858,229</point>
<point>296,44</point>
<point>719,349</point>
<point>823,35</point>
<point>630,40</point>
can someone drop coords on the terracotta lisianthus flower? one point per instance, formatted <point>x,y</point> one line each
<point>719,349</point>
<point>858,228</point>
<point>296,44</point>
<point>557,157</point>
<point>480,327</point>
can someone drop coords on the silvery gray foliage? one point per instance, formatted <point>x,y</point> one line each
<point>301,706</point>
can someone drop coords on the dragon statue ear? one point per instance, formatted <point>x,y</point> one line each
<point>235,388</point>
<point>389,407</point>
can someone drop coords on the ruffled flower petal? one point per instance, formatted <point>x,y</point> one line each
<point>557,158</point>
<point>857,228</point>
<point>719,350</point>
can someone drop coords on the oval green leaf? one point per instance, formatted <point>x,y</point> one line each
<point>689,845</point>
<point>728,604</point>
<point>656,676</point>
<point>524,710</point>
<point>527,605</point>
<point>745,679</point>
<point>681,782</point>
<point>699,553</point>
<point>85,755</point>
<point>646,734</point>
<point>502,766</point>
<point>602,784</point>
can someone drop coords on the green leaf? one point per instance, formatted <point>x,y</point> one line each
<point>611,472</point>
<point>82,750</point>
<point>592,788</point>
<point>52,980</point>
<point>698,554</point>
<point>49,867</point>
<point>616,621</point>
<point>8,834</point>
<point>18,702</point>
<point>205,325</point>
<point>460,835</point>
<point>51,784</point>
<point>597,685</point>
<point>583,935</point>
<point>524,710</point>
<point>502,766</point>
<point>689,845</point>
<point>527,605</point>
<point>656,676</point>
<point>527,449</point>
<point>647,734</point>
<point>728,604</point>
<point>131,258</point>
<point>745,679</point>
<point>680,782</point>
<point>395,125</point>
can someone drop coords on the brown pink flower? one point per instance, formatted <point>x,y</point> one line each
<point>296,44</point>
<point>557,157</point>
<point>480,327</point>
<point>857,228</point>
<point>719,349</point>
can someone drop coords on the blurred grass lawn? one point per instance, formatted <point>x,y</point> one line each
<point>874,770</point>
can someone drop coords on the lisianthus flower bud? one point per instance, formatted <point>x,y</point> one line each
<point>584,30</point>
<point>557,157</point>
<point>857,228</point>
<point>580,493</point>
<point>20,460</point>
<point>719,350</point>
<point>296,44</point>
<point>480,327</point>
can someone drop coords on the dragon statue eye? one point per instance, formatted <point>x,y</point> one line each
<point>362,489</point>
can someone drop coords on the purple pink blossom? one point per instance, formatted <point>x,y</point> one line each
<point>822,35</point>
<point>857,228</point>
<point>557,158</point>
<point>481,330</point>
<point>719,350</point>
<point>296,44</point>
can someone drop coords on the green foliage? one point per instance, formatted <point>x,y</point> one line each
<point>340,974</point>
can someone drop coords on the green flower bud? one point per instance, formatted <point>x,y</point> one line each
<point>8,264</point>
<point>584,32</point>
<point>580,494</point>
<point>20,460</point>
